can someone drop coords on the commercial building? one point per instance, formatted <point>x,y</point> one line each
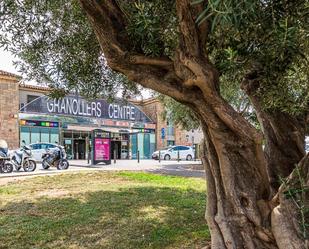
<point>173,134</point>
<point>9,106</point>
<point>27,114</point>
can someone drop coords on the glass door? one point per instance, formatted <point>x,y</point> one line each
<point>133,144</point>
<point>146,146</point>
<point>68,146</point>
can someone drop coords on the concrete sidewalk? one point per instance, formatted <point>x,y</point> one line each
<point>132,164</point>
<point>181,168</point>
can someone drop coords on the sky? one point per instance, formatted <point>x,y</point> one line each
<point>6,62</point>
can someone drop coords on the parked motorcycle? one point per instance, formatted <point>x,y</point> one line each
<point>23,158</point>
<point>56,157</point>
<point>5,165</point>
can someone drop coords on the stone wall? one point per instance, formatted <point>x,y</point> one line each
<point>153,109</point>
<point>9,106</point>
<point>180,136</point>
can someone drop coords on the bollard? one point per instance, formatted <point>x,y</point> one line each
<point>138,156</point>
<point>114,156</point>
<point>87,150</point>
<point>159,156</point>
<point>178,156</point>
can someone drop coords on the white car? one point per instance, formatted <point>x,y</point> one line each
<point>185,153</point>
<point>38,149</point>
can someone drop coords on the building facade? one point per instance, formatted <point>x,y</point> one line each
<point>9,105</point>
<point>173,135</point>
<point>71,120</point>
<point>27,114</point>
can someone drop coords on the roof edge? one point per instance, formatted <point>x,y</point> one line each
<point>8,74</point>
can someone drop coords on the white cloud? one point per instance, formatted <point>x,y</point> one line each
<point>6,62</point>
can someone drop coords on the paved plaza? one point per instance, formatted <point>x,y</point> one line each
<point>181,168</point>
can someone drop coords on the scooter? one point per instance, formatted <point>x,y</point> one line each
<point>5,165</point>
<point>56,157</point>
<point>23,158</point>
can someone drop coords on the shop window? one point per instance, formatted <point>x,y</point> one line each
<point>54,135</point>
<point>44,135</point>
<point>125,136</point>
<point>35,135</point>
<point>152,143</point>
<point>77,135</point>
<point>170,142</point>
<point>84,135</point>
<point>68,148</point>
<point>133,143</point>
<point>21,106</point>
<point>170,131</point>
<point>140,144</point>
<point>25,134</point>
<point>67,134</point>
<point>116,136</point>
<point>146,147</point>
<point>31,98</point>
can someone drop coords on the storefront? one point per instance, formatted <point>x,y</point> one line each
<point>69,122</point>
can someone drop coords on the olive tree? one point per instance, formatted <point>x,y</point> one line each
<point>190,51</point>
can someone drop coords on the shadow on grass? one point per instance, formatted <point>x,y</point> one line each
<point>135,217</point>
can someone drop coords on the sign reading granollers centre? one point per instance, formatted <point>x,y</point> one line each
<point>77,106</point>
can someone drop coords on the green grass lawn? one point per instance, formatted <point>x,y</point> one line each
<point>103,210</point>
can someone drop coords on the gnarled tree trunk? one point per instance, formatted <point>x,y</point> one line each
<point>237,187</point>
<point>290,218</point>
<point>239,197</point>
<point>284,134</point>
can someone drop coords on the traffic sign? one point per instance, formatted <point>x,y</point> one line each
<point>162,133</point>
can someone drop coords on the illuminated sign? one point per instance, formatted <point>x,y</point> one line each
<point>102,149</point>
<point>74,106</point>
<point>77,106</point>
<point>121,112</point>
<point>39,123</point>
<point>102,146</point>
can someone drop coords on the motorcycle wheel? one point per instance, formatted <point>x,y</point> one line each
<point>29,165</point>
<point>7,168</point>
<point>45,165</point>
<point>63,164</point>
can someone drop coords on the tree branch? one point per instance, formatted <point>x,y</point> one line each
<point>189,40</point>
<point>190,51</point>
<point>144,60</point>
<point>190,64</point>
<point>190,54</point>
<point>284,134</point>
<point>109,25</point>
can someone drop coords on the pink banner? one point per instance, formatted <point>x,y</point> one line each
<point>102,150</point>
